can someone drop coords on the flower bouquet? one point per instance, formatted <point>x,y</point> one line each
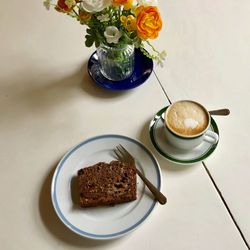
<point>115,28</point>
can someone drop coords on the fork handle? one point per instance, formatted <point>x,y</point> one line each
<point>157,194</point>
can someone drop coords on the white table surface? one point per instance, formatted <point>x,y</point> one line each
<point>208,49</point>
<point>48,104</point>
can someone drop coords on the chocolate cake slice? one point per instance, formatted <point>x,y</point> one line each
<point>107,184</point>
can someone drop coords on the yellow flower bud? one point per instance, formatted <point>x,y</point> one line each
<point>129,22</point>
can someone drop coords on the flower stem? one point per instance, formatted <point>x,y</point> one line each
<point>119,15</point>
<point>152,47</point>
<point>76,13</point>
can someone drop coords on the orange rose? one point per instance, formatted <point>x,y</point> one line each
<point>126,3</point>
<point>63,6</point>
<point>148,22</point>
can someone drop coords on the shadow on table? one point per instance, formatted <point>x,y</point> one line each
<point>90,87</point>
<point>164,163</point>
<point>56,227</point>
<point>43,92</point>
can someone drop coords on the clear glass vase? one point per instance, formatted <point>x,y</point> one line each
<point>116,63</point>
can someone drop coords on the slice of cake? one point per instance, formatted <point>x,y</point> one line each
<point>107,184</point>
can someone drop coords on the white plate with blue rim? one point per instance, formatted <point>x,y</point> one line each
<point>171,153</point>
<point>106,222</point>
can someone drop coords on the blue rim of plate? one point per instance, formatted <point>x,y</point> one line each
<point>202,157</point>
<point>142,71</point>
<point>92,235</point>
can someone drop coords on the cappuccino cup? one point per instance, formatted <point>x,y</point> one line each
<point>187,125</point>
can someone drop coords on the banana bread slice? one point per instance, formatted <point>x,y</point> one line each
<point>106,184</point>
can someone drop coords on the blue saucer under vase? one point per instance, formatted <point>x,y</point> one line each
<point>142,70</point>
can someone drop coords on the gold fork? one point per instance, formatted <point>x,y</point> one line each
<point>124,156</point>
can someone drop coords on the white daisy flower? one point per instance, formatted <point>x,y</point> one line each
<point>103,18</point>
<point>163,55</point>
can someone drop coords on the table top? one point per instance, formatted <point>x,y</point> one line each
<point>49,104</point>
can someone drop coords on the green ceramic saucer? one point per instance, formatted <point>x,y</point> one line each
<point>169,152</point>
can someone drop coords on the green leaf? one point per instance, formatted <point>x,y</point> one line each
<point>89,31</point>
<point>88,37</point>
<point>97,43</point>
<point>89,41</point>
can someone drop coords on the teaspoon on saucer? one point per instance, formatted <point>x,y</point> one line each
<point>222,112</point>
<point>219,112</point>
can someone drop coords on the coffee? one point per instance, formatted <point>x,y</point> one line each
<point>186,118</point>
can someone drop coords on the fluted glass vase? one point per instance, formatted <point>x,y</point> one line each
<point>116,64</point>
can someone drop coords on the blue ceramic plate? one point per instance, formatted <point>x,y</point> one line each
<point>143,69</point>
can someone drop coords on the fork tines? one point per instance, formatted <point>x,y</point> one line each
<point>123,154</point>
<point>122,148</point>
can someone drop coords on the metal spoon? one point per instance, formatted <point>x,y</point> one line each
<point>223,112</point>
<point>219,112</point>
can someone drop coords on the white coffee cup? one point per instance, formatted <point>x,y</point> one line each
<point>187,125</point>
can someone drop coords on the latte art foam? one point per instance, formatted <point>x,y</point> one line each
<point>191,123</point>
<point>186,118</point>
